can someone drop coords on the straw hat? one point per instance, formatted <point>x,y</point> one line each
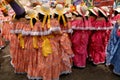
<point>43,9</point>
<point>82,10</point>
<point>25,2</point>
<point>94,11</point>
<point>75,12</point>
<point>31,14</point>
<point>60,7</point>
<point>104,10</point>
<point>117,9</point>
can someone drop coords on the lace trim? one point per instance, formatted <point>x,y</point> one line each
<point>91,28</point>
<point>99,63</point>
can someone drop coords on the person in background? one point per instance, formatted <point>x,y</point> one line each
<point>113,49</point>
<point>80,36</point>
<point>98,43</point>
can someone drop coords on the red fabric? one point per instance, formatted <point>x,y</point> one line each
<point>80,42</point>
<point>100,23</point>
<point>109,22</point>
<point>118,32</point>
<point>97,47</point>
<point>78,23</point>
<point>116,17</point>
<point>91,21</point>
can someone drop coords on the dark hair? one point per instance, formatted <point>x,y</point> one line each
<point>91,13</point>
<point>34,21</point>
<point>20,16</point>
<point>41,17</point>
<point>61,20</point>
<point>116,12</point>
<point>74,14</point>
<point>101,15</point>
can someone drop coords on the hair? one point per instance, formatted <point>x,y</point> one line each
<point>101,15</point>
<point>61,20</point>
<point>116,12</point>
<point>41,17</point>
<point>20,16</point>
<point>74,14</point>
<point>34,21</point>
<point>91,13</point>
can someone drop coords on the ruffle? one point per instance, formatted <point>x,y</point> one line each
<point>25,33</point>
<point>18,31</point>
<point>68,31</point>
<point>32,78</point>
<point>37,78</point>
<point>40,33</point>
<point>92,28</point>
<point>52,29</point>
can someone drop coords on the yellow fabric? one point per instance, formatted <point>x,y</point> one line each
<point>31,17</point>
<point>63,18</point>
<point>48,23</point>
<point>14,16</point>
<point>35,41</point>
<point>47,13</point>
<point>20,37</point>
<point>31,23</point>
<point>46,47</point>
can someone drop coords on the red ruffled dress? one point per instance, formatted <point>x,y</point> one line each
<point>115,18</point>
<point>108,30</point>
<point>97,42</point>
<point>79,42</point>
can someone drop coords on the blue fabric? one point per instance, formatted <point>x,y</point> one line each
<point>113,50</point>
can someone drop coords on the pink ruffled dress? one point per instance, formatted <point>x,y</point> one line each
<point>108,30</point>
<point>97,43</point>
<point>115,18</point>
<point>80,42</point>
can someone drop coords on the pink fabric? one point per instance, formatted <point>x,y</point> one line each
<point>74,23</point>
<point>91,21</point>
<point>97,47</point>
<point>78,23</point>
<point>116,17</point>
<point>108,23</point>
<point>118,33</point>
<point>80,42</point>
<point>100,23</point>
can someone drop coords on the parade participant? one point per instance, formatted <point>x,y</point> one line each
<point>80,37</point>
<point>113,51</point>
<point>98,38</point>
